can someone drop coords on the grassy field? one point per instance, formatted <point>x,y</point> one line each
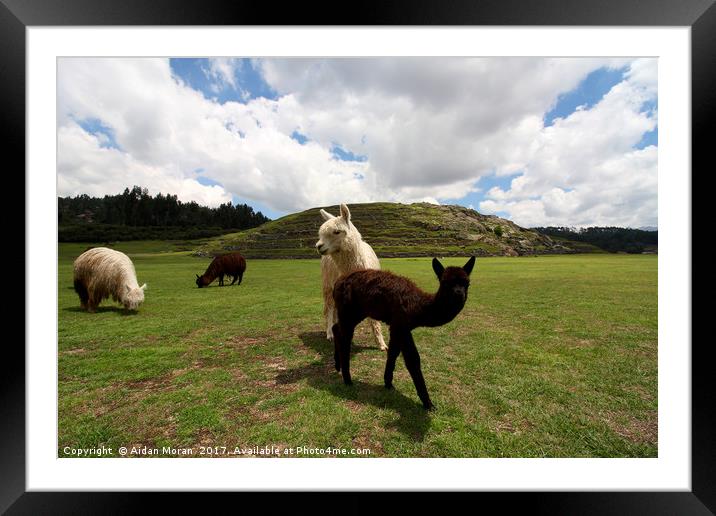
<point>551,357</point>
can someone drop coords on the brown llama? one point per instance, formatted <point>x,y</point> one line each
<point>230,264</point>
<point>398,302</point>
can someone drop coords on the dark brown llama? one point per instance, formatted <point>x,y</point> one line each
<point>398,302</point>
<point>230,264</point>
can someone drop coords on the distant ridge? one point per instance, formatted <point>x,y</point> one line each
<point>395,230</point>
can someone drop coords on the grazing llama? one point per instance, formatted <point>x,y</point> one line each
<point>230,264</point>
<point>342,251</point>
<point>100,273</point>
<point>398,302</point>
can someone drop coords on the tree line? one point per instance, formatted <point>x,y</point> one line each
<point>611,239</point>
<point>155,215</point>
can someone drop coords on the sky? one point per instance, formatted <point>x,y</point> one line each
<point>540,141</point>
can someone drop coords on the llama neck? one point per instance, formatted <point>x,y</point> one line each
<point>440,309</point>
<point>350,248</point>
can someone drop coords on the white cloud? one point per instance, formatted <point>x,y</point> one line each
<point>584,169</point>
<point>83,166</point>
<point>431,128</point>
<point>222,70</point>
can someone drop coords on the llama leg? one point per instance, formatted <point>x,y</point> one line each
<point>393,352</point>
<point>241,276</point>
<point>91,303</point>
<point>337,347</point>
<point>82,292</point>
<point>345,332</point>
<point>412,362</point>
<point>235,278</point>
<point>221,280</point>
<point>378,334</point>
<point>329,312</point>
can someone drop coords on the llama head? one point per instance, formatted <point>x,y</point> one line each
<point>454,281</point>
<point>201,281</point>
<point>334,232</point>
<point>133,297</point>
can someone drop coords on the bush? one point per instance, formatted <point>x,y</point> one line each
<point>498,231</point>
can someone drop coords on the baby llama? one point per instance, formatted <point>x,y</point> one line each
<point>398,302</point>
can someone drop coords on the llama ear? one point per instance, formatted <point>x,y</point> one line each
<point>144,287</point>
<point>197,276</point>
<point>345,213</point>
<point>438,268</point>
<point>326,215</point>
<point>469,265</point>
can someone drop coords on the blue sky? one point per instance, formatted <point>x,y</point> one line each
<point>586,94</point>
<point>285,135</point>
<point>105,134</point>
<point>197,74</point>
<point>484,185</point>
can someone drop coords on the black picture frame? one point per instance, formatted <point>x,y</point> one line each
<point>16,15</point>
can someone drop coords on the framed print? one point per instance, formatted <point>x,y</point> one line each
<point>570,378</point>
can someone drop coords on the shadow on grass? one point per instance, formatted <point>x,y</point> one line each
<point>216,285</point>
<point>413,420</point>
<point>103,309</point>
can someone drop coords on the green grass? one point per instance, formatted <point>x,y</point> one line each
<point>551,357</point>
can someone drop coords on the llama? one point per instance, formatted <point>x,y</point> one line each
<point>343,250</point>
<point>100,273</point>
<point>398,302</point>
<point>230,264</point>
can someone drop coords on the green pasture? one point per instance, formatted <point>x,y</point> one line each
<point>553,356</point>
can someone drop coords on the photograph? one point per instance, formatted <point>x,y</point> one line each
<point>416,252</point>
<point>357,257</point>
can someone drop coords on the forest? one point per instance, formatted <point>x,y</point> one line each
<point>136,215</point>
<point>611,239</point>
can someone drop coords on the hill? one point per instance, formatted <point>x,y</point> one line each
<point>394,230</point>
<point>611,239</point>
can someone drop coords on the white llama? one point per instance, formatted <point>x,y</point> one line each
<point>100,273</point>
<point>342,251</point>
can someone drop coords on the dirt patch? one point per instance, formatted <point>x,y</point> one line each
<point>640,391</point>
<point>204,437</point>
<point>237,375</point>
<point>363,441</point>
<point>162,382</point>
<point>353,406</point>
<point>242,342</point>
<point>635,430</point>
<point>194,334</point>
<point>75,351</point>
<point>276,363</point>
<point>582,343</point>
<point>512,425</point>
<point>259,413</point>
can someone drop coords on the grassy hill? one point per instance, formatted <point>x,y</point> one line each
<point>394,230</point>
